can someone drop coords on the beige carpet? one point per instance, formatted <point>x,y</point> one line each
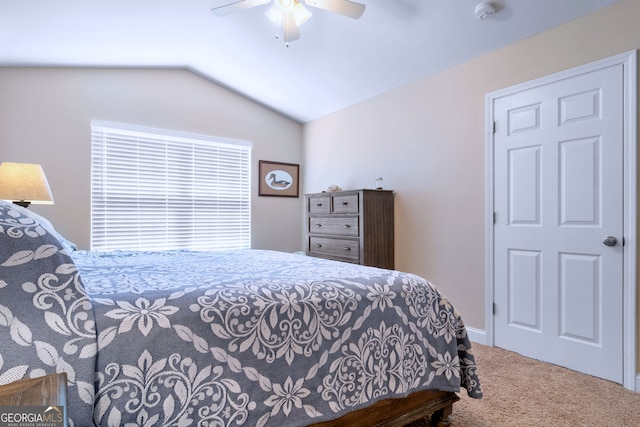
<point>519,391</point>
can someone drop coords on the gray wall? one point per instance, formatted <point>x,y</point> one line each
<point>45,117</point>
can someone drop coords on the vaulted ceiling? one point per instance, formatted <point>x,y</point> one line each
<point>336,63</point>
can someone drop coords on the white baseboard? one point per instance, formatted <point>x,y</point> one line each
<point>477,335</point>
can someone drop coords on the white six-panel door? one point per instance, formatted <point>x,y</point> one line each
<point>558,231</point>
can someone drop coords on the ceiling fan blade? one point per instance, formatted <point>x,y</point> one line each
<point>343,7</point>
<point>290,30</point>
<point>237,6</point>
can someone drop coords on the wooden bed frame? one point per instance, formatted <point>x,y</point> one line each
<point>420,409</point>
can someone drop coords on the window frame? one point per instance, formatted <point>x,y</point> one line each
<point>203,207</point>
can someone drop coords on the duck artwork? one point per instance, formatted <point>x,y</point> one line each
<point>279,180</point>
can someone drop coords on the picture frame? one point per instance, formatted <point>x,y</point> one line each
<point>278,179</point>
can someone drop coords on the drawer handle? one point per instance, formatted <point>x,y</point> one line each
<point>347,249</point>
<point>318,245</point>
<point>347,226</point>
<point>318,225</point>
<point>319,204</point>
<point>345,203</point>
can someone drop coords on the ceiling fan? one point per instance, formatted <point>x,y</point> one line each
<point>290,14</point>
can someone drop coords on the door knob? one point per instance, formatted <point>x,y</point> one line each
<point>610,241</point>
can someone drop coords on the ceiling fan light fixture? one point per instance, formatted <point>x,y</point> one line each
<point>281,8</point>
<point>288,15</point>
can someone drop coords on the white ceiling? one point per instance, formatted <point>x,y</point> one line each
<point>337,62</point>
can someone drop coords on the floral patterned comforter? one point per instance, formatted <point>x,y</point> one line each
<point>252,338</point>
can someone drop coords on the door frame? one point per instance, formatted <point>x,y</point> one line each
<point>631,379</point>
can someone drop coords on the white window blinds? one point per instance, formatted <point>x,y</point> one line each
<point>154,189</point>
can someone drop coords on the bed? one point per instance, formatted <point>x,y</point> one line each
<point>247,337</point>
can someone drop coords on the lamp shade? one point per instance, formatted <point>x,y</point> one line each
<point>24,183</point>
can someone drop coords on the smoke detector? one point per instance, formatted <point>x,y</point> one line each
<point>485,10</point>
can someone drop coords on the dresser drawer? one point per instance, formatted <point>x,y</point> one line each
<point>319,204</point>
<point>345,204</point>
<point>335,226</point>
<point>332,247</point>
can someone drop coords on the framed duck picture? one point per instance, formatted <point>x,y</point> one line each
<point>278,179</point>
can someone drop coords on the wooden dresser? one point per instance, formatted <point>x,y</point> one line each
<point>353,226</point>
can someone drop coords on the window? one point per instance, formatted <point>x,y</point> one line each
<point>153,189</point>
